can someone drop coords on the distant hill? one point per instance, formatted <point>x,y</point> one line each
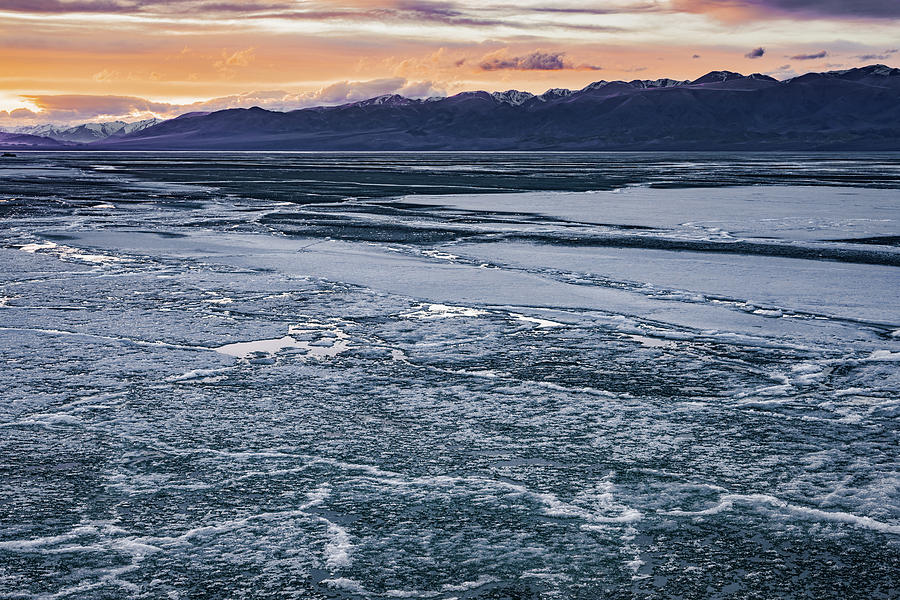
<point>855,109</point>
<point>24,141</point>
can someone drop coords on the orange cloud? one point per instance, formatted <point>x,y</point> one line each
<point>235,60</point>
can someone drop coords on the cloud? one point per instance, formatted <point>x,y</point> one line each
<point>77,108</point>
<point>238,58</point>
<point>422,89</point>
<point>352,91</point>
<point>783,72</point>
<point>463,13</point>
<point>741,10</point>
<point>106,75</point>
<point>18,113</point>
<point>813,56</point>
<point>696,56</point>
<point>112,75</point>
<point>71,108</point>
<point>57,6</point>
<point>79,102</point>
<point>839,8</point>
<point>442,12</point>
<point>134,6</point>
<point>341,92</point>
<point>755,53</point>
<point>884,56</point>
<point>533,61</point>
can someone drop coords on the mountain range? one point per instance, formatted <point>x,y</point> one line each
<point>86,132</point>
<point>855,109</point>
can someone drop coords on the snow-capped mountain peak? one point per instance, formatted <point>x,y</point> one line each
<point>513,97</point>
<point>86,132</point>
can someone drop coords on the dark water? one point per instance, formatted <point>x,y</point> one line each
<point>436,376</point>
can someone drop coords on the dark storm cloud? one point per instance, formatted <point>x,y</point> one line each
<point>755,53</point>
<point>813,56</point>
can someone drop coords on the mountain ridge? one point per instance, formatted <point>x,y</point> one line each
<point>85,132</point>
<point>852,109</point>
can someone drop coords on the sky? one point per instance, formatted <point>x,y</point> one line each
<point>73,61</point>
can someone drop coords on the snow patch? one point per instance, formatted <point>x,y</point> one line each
<point>763,501</point>
<point>67,252</point>
<point>884,355</point>
<point>443,311</point>
<point>325,341</point>
<point>540,322</point>
<point>440,255</point>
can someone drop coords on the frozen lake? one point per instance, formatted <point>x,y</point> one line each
<point>449,376</point>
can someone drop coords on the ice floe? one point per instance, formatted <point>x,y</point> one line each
<point>884,355</point>
<point>443,311</point>
<point>67,252</point>
<point>537,321</point>
<point>439,255</point>
<point>325,341</point>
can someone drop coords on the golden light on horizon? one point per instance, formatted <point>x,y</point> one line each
<point>287,54</point>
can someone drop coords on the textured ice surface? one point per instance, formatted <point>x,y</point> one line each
<point>780,212</point>
<point>210,392</point>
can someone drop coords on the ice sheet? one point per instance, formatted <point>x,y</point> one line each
<point>464,396</point>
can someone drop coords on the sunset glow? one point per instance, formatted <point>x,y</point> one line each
<point>83,60</point>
